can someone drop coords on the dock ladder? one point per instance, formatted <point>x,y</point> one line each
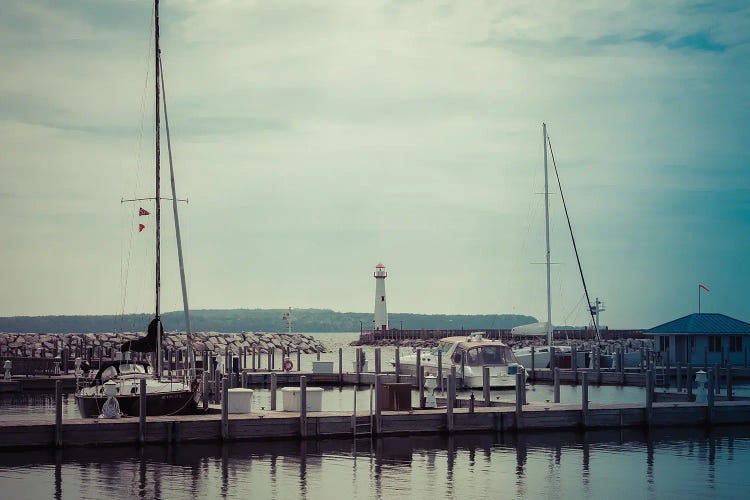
<point>355,421</point>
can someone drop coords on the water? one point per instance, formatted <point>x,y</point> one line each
<point>682,463</point>
<point>662,463</point>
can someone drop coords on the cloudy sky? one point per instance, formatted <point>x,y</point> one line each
<point>315,138</point>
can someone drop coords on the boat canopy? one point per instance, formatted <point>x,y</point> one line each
<point>531,330</point>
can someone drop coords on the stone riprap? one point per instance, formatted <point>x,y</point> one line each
<point>46,344</point>
<point>583,345</point>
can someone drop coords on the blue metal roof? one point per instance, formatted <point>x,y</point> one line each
<point>702,324</point>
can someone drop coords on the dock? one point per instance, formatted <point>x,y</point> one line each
<point>264,425</point>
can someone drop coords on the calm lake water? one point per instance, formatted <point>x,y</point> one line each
<point>662,463</point>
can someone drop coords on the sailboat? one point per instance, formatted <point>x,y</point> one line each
<point>542,354</point>
<point>115,388</point>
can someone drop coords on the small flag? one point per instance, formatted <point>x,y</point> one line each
<point>143,211</point>
<point>141,227</point>
<point>704,287</point>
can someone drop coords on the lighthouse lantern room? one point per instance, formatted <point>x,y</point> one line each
<point>380,322</point>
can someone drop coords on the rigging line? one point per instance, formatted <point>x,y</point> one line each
<point>125,276</point>
<point>575,247</point>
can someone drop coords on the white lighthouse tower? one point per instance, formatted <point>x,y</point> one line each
<point>380,322</point>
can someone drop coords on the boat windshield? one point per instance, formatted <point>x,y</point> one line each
<point>490,355</point>
<point>444,347</point>
<point>108,373</point>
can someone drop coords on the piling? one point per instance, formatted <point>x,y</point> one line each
<point>377,361</point>
<point>649,396</point>
<point>717,378</point>
<point>269,360</point>
<point>440,371</point>
<point>58,413</point>
<point>252,358</point>
<point>552,358</point>
<point>451,399</point>
<point>420,382</point>
<point>598,365</point>
<point>621,359</point>
<point>397,363</point>
<point>533,364</point>
<point>142,412</point>
<point>224,409</point>
<point>643,356</point>
<point>243,380</point>
<point>486,385</point>
<point>358,363</point>
<point>585,398</point>
<point>711,397</point>
<point>341,366</point>
<point>556,382</point>
<point>519,398</point>
<point>419,366</point>
<point>299,359</point>
<point>205,390</point>
<point>689,380</point>
<point>378,405</point>
<point>317,354</point>
<point>668,370</point>
<point>303,406</point>
<point>273,391</point>
<point>217,385</point>
<point>730,388</point>
<point>574,364</point>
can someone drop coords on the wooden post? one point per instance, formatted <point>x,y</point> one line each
<point>299,359</point>
<point>440,371</point>
<point>273,391</point>
<point>486,385</point>
<point>252,358</point>
<point>689,380</point>
<point>420,381</point>
<point>730,395</point>
<point>649,396</point>
<point>358,363</point>
<point>243,380</point>
<point>317,354</point>
<point>711,396</point>
<point>598,365</point>
<point>717,378</point>
<point>585,398</point>
<point>217,386</point>
<point>418,367</point>
<point>621,359</point>
<point>341,367</point>
<point>463,369</point>
<point>224,409</point>
<point>519,398</point>
<point>552,359</point>
<point>58,413</point>
<point>377,361</point>
<point>378,405</point>
<point>142,412</point>
<point>269,359</point>
<point>533,364</point>
<point>397,365</point>
<point>574,363</point>
<point>556,382</point>
<point>303,406</point>
<point>205,390</point>
<point>451,399</point>
<point>643,355</point>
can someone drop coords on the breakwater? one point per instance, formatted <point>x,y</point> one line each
<point>46,345</point>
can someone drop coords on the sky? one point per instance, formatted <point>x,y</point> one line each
<point>314,139</point>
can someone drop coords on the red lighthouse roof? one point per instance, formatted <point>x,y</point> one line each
<point>380,266</point>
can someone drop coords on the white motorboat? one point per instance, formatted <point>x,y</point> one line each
<point>469,355</point>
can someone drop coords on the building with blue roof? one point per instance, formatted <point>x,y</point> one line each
<point>703,339</point>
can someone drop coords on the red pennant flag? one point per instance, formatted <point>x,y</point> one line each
<point>143,211</point>
<point>141,227</point>
<point>701,285</point>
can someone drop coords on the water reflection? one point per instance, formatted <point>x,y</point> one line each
<point>575,464</point>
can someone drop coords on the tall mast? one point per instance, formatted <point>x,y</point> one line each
<point>157,196</point>
<point>546,218</point>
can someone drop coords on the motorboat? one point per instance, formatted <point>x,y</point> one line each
<point>469,354</point>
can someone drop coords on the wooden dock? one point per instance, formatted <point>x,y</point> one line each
<point>284,425</point>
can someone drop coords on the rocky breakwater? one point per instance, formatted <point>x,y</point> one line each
<point>48,345</point>
<point>607,346</point>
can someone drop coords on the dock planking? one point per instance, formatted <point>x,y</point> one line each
<point>264,425</point>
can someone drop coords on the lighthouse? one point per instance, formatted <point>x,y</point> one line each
<point>380,322</point>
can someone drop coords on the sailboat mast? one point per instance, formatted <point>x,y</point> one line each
<point>157,196</point>
<point>546,218</point>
